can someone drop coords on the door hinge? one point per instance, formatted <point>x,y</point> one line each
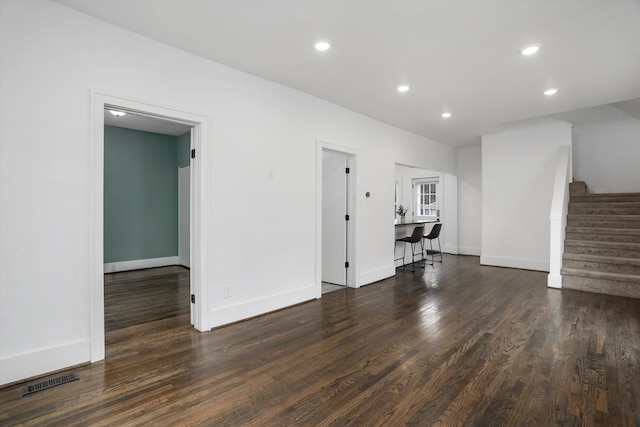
<point>346,217</point>
<point>346,264</point>
<point>193,153</point>
<point>346,170</point>
<point>193,299</point>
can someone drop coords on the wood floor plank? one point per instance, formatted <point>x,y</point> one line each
<point>454,344</point>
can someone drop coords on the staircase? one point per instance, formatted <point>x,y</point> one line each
<point>602,243</point>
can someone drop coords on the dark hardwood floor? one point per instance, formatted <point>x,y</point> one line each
<point>142,296</point>
<point>460,344</point>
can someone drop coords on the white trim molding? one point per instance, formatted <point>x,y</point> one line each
<point>21,366</point>
<point>139,264</point>
<point>372,276</point>
<point>201,167</point>
<point>525,264</point>
<point>470,250</point>
<point>233,313</point>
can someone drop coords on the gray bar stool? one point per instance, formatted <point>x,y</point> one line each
<point>434,234</point>
<point>414,239</point>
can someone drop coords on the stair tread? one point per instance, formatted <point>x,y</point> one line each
<point>602,259</point>
<point>610,194</point>
<point>610,204</point>
<point>609,287</point>
<point>601,275</point>
<point>601,230</point>
<point>601,244</point>
<point>604,217</point>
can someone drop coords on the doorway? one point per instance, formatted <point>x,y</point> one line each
<point>421,192</point>
<point>335,219</point>
<point>335,249</point>
<point>199,203</point>
<point>146,217</point>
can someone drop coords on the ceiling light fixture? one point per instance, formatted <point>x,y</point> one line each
<point>550,92</point>
<point>118,113</point>
<point>446,115</point>
<point>322,45</point>
<point>403,88</point>
<point>530,50</point>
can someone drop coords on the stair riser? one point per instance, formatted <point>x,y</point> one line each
<point>603,267</point>
<point>610,287</point>
<point>600,223</point>
<point>603,237</point>
<point>589,250</point>
<point>604,210</point>
<point>634,197</point>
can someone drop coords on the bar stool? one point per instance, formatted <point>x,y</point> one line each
<point>434,234</point>
<point>414,239</point>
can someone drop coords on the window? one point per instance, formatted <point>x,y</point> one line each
<point>426,197</point>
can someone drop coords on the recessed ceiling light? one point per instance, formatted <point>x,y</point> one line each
<point>118,113</point>
<point>530,50</point>
<point>550,92</point>
<point>403,88</point>
<point>322,45</point>
<point>446,115</point>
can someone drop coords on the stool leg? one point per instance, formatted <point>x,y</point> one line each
<point>431,246</point>
<point>404,248</point>
<point>413,257</point>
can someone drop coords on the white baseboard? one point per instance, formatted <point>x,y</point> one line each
<point>449,249</point>
<point>470,250</point>
<point>235,312</point>
<point>527,264</point>
<point>39,362</point>
<point>139,264</point>
<point>554,281</point>
<point>376,275</point>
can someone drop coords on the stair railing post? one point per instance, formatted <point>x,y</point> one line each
<point>558,216</point>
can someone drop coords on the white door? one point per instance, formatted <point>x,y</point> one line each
<point>184,232</point>
<point>334,225</point>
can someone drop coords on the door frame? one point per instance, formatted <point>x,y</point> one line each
<point>182,249</point>
<point>200,207</point>
<point>351,157</point>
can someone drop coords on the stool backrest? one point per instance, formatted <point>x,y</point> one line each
<point>435,232</point>
<point>416,236</point>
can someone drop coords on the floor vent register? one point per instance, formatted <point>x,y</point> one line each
<point>52,382</point>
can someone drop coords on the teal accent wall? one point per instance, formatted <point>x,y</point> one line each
<point>140,195</point>
<point>184,149</point>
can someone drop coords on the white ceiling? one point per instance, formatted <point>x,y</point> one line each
<point>460,56</point>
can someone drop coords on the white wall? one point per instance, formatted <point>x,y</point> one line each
<point>50,58</point>
<point>606,151</point>
<point>449,214</point>
<point>518,172</point>
<point>470,200</point>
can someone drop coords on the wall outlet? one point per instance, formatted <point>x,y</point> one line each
<point>227,292</point>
